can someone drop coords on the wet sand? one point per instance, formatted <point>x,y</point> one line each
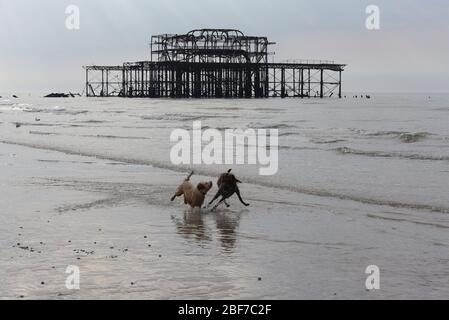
<point>115,221</point>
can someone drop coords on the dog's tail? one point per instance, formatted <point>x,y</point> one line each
<point>190,176</point>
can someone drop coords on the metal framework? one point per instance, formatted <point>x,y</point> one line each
<point>214,63</point>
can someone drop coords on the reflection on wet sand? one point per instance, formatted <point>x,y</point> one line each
<point>227,226</point>
<point>198,226</point>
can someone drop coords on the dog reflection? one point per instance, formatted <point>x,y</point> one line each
<point>193,226</point>
<point>227,226</point>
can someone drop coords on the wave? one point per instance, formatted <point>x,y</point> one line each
<point>91,121</point>
<point>270,126</point>
<point>101,136</point>
<point>406,137</point>
<point>324,141</point>
<point>42,133</point>
<point>56,110</point>
<point>37,124</point>
<point>105,136</point>
<point>212,173</point>
<point>222,108</point>
<point>413,137</point>
<point>288,134</point>
<point>268,110</point>
<point>281,147</point>
<point>403,136</point>
<point>383,154</point>
<point>184,117</point>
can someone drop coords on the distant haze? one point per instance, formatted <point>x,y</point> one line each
<point>408,54</point>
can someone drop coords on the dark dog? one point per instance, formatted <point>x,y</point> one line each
<point>227,184</point>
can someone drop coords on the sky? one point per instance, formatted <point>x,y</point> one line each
<point>409,53</point>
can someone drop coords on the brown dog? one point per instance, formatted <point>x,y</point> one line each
<point>193,196</point>
<point>227,184</point>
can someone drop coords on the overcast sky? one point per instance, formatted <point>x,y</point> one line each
<point>410,53</point>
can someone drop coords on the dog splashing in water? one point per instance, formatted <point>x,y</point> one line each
<point>193,196</point>
<point>228,186</point>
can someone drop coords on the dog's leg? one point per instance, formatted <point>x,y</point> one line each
<point>221,201</point>
<point>237,191</point>
<point>215,198</point>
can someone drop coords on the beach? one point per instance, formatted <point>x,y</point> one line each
<point>87,182</point>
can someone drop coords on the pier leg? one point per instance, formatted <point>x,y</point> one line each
<point>87,82</point>
<point>308,83</point>
<point>282,83</point>
<point>107,83</point>
<point>339,85</point>
<point>321,84</point>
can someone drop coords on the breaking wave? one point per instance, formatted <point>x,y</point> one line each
<point>270,126</point>
<point>55,110</point>
<point>403,136</point>
<point>326,141</point>
<point>383,154</point>
<point>184,117</point>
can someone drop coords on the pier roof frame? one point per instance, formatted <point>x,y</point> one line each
<point>210,45</point>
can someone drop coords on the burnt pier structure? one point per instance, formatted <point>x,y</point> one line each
<point>214,63</point>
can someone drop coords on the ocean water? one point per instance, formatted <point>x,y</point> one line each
<point>391,150</point>
<point>382,162</point>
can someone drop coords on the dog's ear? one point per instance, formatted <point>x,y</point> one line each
<point>236,180</point>
<point>201,187</point>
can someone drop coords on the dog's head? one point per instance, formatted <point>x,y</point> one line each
<point>228,179</point>
<point>204,187</point>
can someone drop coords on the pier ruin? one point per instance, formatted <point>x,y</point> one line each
<point>214,63</point>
